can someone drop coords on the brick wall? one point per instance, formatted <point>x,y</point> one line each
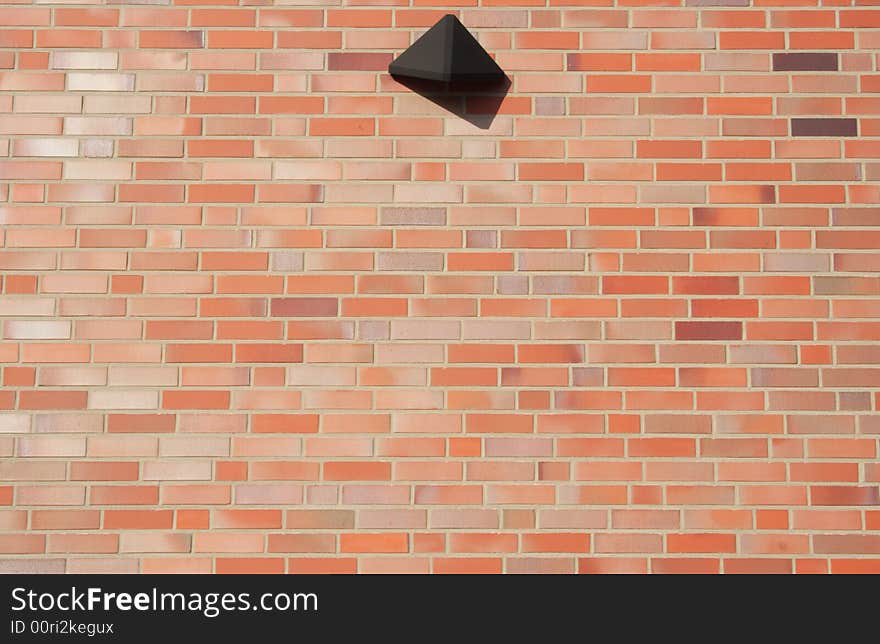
<point>265,309</point>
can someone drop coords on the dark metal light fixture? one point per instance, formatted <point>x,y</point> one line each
<point>448,53</point>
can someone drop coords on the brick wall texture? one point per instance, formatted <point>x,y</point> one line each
<point>265,309</point>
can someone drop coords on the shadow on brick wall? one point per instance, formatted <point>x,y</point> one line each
<point>478,105</point>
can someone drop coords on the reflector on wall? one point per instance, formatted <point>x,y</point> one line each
<point>447,53</point>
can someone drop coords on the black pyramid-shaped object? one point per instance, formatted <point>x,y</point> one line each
<point>447,53</point>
